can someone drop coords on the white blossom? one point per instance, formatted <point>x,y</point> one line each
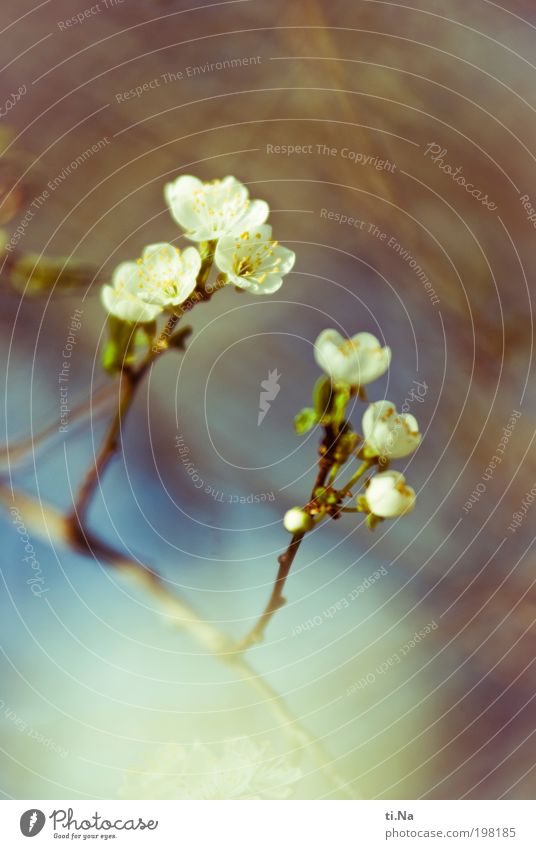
<point>163,278</point>
<point>354,361</point>
<point>121,298</point>
<point>253,261</point>
<point>387,495</point>
<point>208,211</point>
<point>241,769</point>
<point>389,434</point>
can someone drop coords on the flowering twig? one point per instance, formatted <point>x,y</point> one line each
<point>349,363</point>
<point>326,465</point>
<point>129,379</point>
<point>14,453</point>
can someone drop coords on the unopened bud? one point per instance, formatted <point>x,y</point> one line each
<point>297,520</point>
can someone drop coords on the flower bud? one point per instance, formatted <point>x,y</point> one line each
<point>297,520</point>
<point>387,433</point>
<point>388,495</point>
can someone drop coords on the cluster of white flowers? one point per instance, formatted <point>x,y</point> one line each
<point>163,277</point>
<point>241,769</point>
<point>219,213</point>
<point>387,435</point>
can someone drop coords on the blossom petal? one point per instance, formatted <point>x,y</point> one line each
<point>253,261</point>
<point>208,211</point>
<point>256,214</point>
<point>178,195</point>
<point>356,361</point>
<point>191,261</point>
<point>128,307</point>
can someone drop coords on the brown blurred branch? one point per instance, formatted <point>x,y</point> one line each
<point>77,518</point>
<point>48,523</point>
<point>14,453</point>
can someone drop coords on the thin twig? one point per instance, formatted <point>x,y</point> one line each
<point>285,560</point>
<point>277,598</point>
<point>364,467</point>
<point>77,517</point>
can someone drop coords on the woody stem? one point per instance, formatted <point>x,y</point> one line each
<point>129,380</point>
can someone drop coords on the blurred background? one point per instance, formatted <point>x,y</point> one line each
<point>93,683</point>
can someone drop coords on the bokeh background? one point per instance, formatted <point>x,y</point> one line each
<point>93,681</point>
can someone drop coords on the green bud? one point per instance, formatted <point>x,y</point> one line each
<point>373,520</point>
<point>305,420</point>
<point>322,394</point>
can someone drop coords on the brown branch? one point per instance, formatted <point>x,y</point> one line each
<point>14,453</point>
<point>48,523</point>
<point>129,380</point>
<point>77,517</point>
<point>277,598</point>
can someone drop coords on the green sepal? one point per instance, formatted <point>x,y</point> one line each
<point>373,520</point>
<point>368,453</point>
<point>305,420</point>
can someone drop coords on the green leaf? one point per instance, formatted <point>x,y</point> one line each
<point>305,420</point>
<point>322,395</point>
<point>110,357</point>
<point>330,401</point>
<point>118,350</point>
